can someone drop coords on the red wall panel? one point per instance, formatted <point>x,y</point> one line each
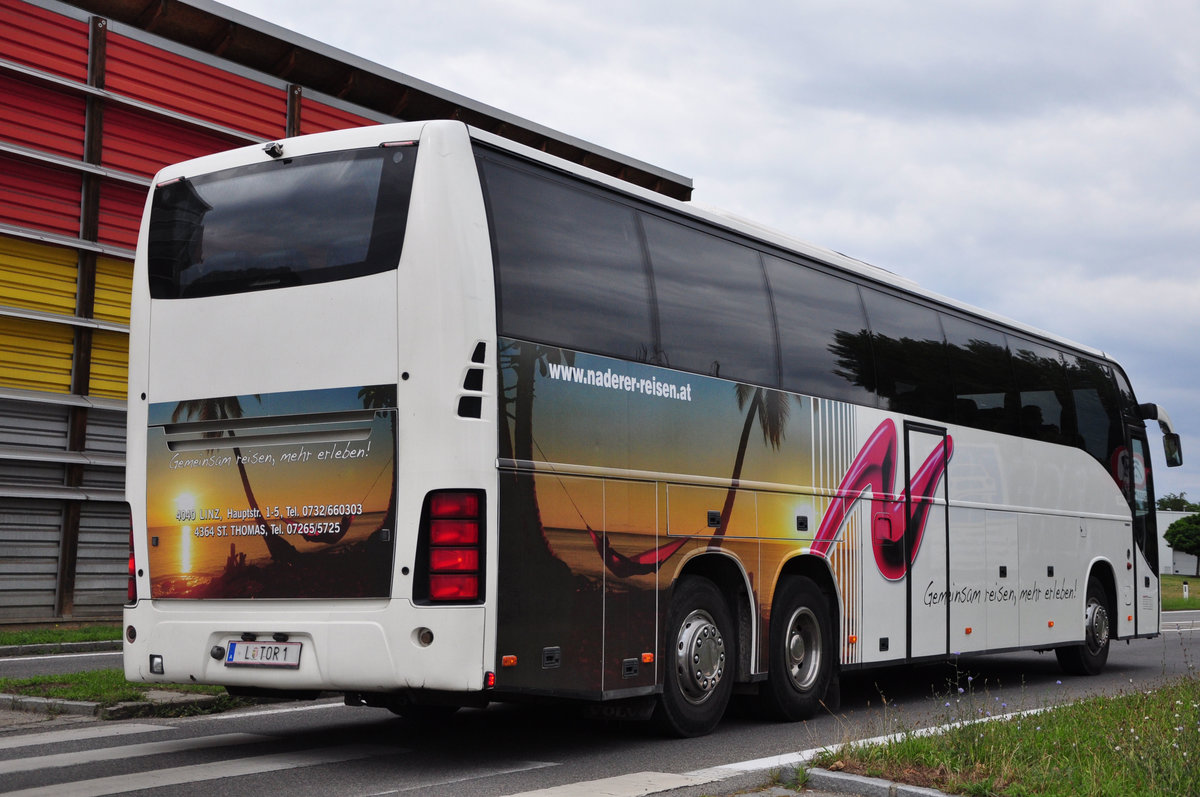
<point>317,117</point>
<point>44,40</point>
<point>39,197</point>
<point>141,144</point>
<point>121,207</point>
<point>181,84</point>
<point>41,119</point>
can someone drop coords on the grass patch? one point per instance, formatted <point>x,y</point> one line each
<point>51,635</point>
<point>1171,587</point>
<point>106,687</point>
<point>1144,743</point>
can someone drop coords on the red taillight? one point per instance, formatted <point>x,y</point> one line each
<point>454,540</point>
<point>131,590</point>
<point>453,588</point>
<point>454,505</point>
<point>454,532</point>
<point>457,560</point>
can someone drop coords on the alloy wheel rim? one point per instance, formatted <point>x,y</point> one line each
<point>699,656</point>
<point>802,646</point>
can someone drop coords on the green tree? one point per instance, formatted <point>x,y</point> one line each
<point>1184,535</point>
<point>1176,502</point>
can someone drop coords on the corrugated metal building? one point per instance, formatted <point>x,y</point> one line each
<point>95,96</point>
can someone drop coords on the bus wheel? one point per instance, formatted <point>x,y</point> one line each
<point>1089,657</point>
<point>699,661</point>
<point>801,655</point>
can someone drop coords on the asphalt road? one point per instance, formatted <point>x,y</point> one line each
<point>326,748</point>
<point>29,666</point>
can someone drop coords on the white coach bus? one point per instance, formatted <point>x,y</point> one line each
<point>432,419</point>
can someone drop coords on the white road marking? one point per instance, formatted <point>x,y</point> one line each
<point>53,656</point>
<point>237,715</point>
<point>631,785</point>
<point>217,770</point>
<point>78,734</point>
<point>57,760</point>
<point>519,766</point>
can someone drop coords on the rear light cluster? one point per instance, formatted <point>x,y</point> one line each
<point>452,548</point>
<point>131,590</point>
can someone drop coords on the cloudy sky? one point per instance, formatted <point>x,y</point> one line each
<point>1039,158</point>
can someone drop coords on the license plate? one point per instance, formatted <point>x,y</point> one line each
<point>263,654</point>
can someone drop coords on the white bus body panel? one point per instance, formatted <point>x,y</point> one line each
<point>298,338</point>
<point>1025,532</point>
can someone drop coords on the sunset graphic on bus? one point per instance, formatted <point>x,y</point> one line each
<point>248,498</point>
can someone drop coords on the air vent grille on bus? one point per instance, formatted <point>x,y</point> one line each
<point>470,403</point>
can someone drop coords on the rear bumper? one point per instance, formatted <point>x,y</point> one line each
<point>370,646</point>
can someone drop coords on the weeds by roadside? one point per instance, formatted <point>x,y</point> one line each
<point>792,778</point>
<point>56,634</point>
<point>106,687</point>
<point>1144,743</point>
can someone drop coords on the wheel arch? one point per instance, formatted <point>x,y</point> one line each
<point>815,568</point>
<point>1106,574</point>
<point>732,580</point>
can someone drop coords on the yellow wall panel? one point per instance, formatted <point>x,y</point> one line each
<point>110,364</point>
<point>114,283</point>
<point>35,355</point>
<point>37,277</point>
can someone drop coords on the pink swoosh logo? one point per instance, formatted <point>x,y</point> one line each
<point>874,469</point>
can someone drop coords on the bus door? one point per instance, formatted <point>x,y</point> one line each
<point>927,451</point>
<point>1139,489</point>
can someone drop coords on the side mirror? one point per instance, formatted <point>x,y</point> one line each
<point>1173,449</point>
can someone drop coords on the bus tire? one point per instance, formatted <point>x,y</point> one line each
<point>700,660</point>
<point>801,656</point>
<point>1089,657</point>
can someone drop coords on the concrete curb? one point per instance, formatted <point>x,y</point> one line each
<point>823,779</point>
<point>120,711</point>
<point>48,705</point>
<point>818,783</point>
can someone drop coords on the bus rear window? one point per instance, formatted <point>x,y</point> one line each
<point>294,221</point>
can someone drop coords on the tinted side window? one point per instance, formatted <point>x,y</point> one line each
<point>1128,400</point>
<point>714,313</point>
<point>1047,412</point>
<point>824,343</point>
<point>1097,413</point>
<point>569,265</point>
<point>981,376</point>
<point>910,356</point>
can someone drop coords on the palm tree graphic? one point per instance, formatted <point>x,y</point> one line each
<point>772,410</point>
<point>229,408</point>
